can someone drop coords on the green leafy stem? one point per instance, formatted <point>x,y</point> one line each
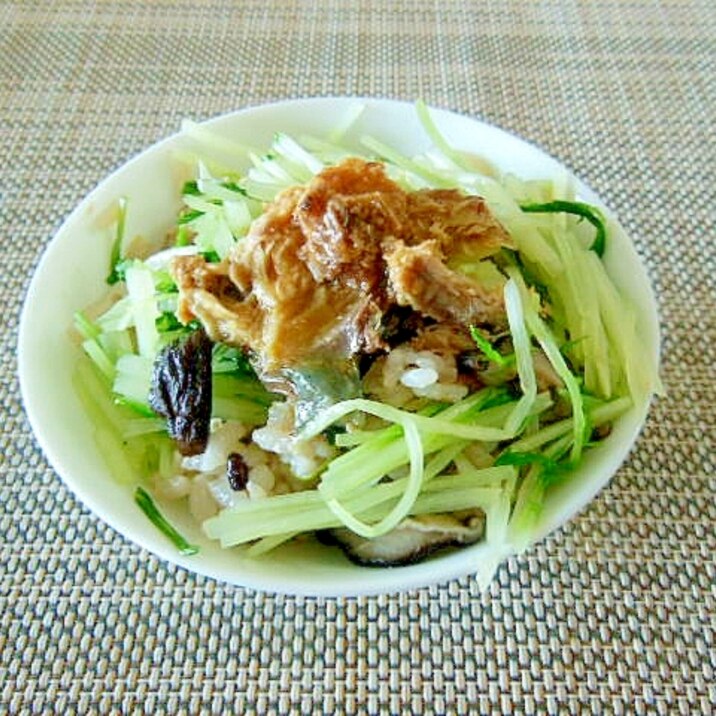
<point>593,215</point>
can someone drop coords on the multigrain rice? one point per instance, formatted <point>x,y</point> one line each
<point>277,461</point>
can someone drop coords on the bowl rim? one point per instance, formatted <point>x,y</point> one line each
<point>444,568</point>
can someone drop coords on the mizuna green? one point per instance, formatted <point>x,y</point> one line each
<point>559,299</point>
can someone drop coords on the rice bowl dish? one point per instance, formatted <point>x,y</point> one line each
<point>339,346</point>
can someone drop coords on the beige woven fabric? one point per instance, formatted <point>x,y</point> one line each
<point>613,614</point>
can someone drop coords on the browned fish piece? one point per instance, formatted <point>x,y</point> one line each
<point>207,293</point>
<point>463,226</point>
<point>323,264</point>
<point>346,213</point>
<point>444,339</point>
<point>265,298</point>
<point>420,278</point>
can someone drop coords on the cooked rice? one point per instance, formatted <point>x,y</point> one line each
<point>424,373</point>
<point>277,461</point>
<point>419,377</point>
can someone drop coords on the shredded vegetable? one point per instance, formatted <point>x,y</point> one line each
<point>578,208</point>
<point>488,349</point>
<point>566,361</point>
<point>115,258</point>
<point>523,353</point>
<point>146,504</point>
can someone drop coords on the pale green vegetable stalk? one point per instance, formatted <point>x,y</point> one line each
<point>639,376</point>
<point>133,378</point>
<point>437,139</point>
<point>410,425</point>
<point>370,461</point>
<point>99,357</point>
<point>427,450</point>
<point>599,319</point>
<point>538,328</point>
<point>407,499</point>
<point>385,152</point>
<point>530,497</point>
<point>114,426</point>
<point>213,141</point>
<point>343,126</point>
<point>308,511</point>
<point>523,352</point>
<point>140,289</point>
<point>602,414</point>
<point>437,424</point>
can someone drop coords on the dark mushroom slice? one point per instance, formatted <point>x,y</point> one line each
<point>412,540</point>
<point>181,391</point>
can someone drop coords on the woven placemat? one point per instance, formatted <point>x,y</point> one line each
<point>614,613</point>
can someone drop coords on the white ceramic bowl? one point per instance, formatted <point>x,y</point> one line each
<point>71,275</point>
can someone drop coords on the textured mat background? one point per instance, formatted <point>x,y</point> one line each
<point>616,612</point>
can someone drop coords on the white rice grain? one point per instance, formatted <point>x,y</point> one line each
<point>223,441</point>
<point>426,374</point>
<point>419,377</point>
<point>303,457</point>
<point>172,488</point>
<point>223,494</point>
<point>263,477</point>
<point>256,492</point>
<point>202,503</point>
